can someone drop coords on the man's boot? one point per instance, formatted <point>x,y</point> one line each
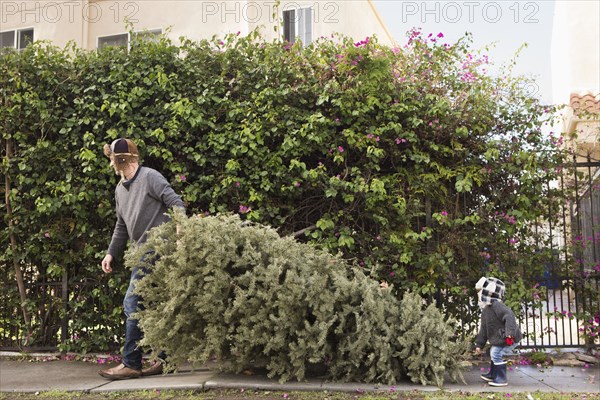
<point>490,375</point>
<point>500,379</point>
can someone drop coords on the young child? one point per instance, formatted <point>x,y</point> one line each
<point>499,327</point>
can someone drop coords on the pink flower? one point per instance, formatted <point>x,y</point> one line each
<point>182,178</point>
<point>444,213</point>
<point>244,209</point>
<point>340,149</point>
<point>47,234</point>
<point>440,35</point>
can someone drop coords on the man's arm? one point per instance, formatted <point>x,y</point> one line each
<point>162,190</point>
<point>117,244</point>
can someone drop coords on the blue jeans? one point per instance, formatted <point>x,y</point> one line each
<point>132,354</point>
<point>497,353</point>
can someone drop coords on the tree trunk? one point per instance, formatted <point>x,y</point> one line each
<point>13,241</point>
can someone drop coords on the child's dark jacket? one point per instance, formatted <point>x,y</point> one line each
<point>497,322</point>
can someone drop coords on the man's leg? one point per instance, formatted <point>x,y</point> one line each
<point>131,366</point>
<point>132,354</point>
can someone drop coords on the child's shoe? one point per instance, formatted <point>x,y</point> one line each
<point>500,379</point>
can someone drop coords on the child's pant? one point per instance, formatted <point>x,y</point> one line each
<point>497,353</point>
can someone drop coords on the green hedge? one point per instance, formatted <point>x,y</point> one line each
<point>414,162</point>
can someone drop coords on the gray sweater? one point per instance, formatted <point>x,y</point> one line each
<point>497,322</point>
<point>142,203</point>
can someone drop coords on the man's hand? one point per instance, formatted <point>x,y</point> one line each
<point>106,264</point>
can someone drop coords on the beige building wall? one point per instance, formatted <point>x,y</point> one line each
<point>357,19</point>
<point>575,49</point>
<point>576,73</point>
<point>58,21</point>
<point>84,21</point>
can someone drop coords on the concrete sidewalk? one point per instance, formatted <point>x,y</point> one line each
<point>26,376</point>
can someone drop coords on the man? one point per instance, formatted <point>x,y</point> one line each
<point>143,197</point>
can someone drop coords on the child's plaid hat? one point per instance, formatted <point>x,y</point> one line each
<point>491,289</point>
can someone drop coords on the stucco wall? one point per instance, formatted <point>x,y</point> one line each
<point>83,21</point>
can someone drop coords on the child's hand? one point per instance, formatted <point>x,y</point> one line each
<point>510,340</point>
<point>477,351</point>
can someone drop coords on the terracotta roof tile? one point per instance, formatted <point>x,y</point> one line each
<point>585,103</point>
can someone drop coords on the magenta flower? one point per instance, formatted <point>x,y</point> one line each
<point>182,178</point>
<point>340,149</point>
<point>440,35</point>
<point>244,209</point>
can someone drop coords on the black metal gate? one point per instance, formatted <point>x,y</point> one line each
<point>571,303</point>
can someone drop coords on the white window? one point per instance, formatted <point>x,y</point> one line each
<point>123,39</point>
<point>113,40</point>
<point>151,35</point>
<point>17,39</point>
<point>297,25</point>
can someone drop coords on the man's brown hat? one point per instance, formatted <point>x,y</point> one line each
<point>121,147</point>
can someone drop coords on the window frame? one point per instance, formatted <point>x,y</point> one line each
<point>17,38</point>
<point>149,32</point>
<point>299,26</point>
<point>101,46</point>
